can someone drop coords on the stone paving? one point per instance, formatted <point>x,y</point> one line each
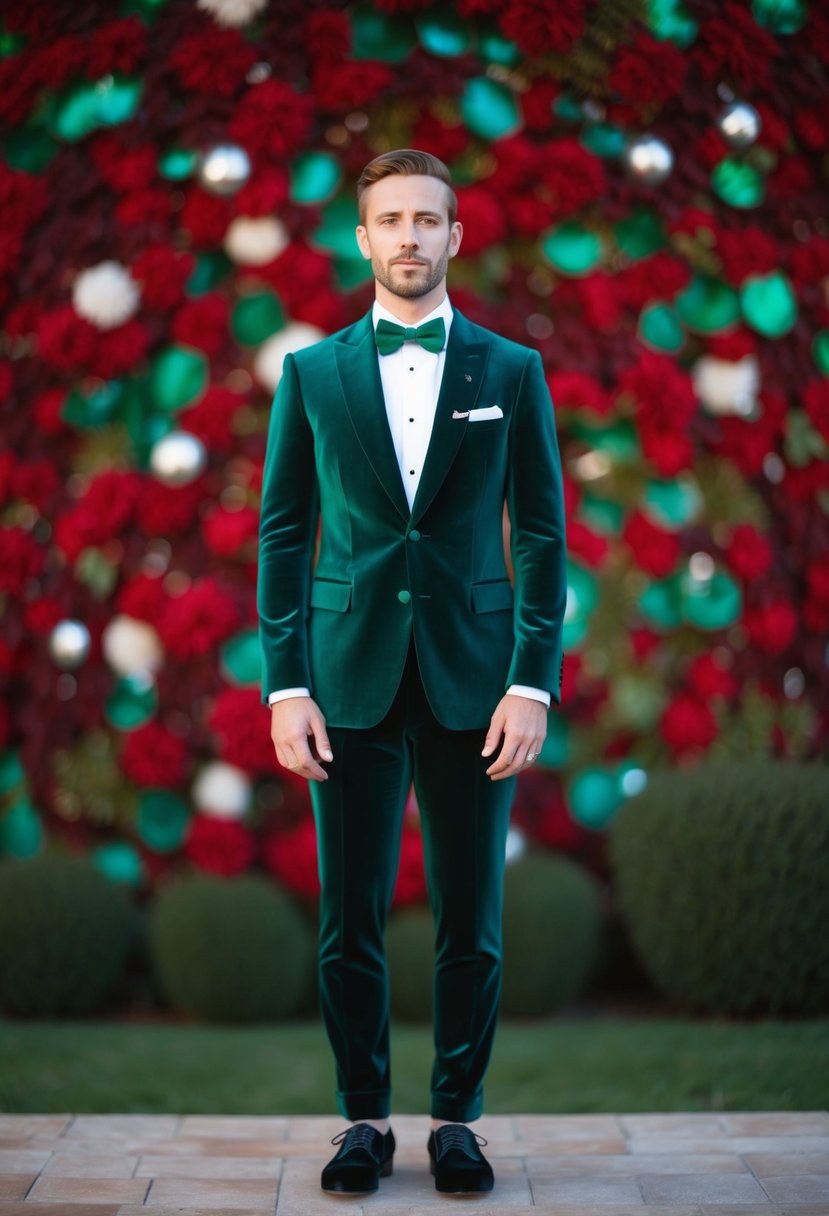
<point>559,1165</point>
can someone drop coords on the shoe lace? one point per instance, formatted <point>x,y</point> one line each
<point>360,1136</point>
<point>454,1136</point>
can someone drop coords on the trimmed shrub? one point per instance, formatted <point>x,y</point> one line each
<point>723,879</point>
<point>231,949</point>
<point>552,932</point>
<point>65,933</point>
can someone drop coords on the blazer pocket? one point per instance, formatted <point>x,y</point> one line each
<point>492,597</point>
<point>336,597</point>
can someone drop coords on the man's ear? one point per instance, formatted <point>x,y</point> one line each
<point>362,241</point>
<point>455,238</point>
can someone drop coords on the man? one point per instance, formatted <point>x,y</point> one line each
<point>404,654</point>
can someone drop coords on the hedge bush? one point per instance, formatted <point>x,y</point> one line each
<point>552,933</point>
<point>65,935</point>
<point>231,949</point>
<point>723,879</point>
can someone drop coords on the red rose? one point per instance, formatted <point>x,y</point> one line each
<point>119,349</point>
<point>749,251</point>
<point>577,391</point>
<point>202,323</point>
<point>232,533</point>
<point>41,615</point>
<point>36,481</point>
<point>573,176</point>
<point>264,194</point>
<point>242,726</point>
<point>790,179</point>
<point>588,545</point>
<point>771,627</point>
<point>21,559</point>
<point>688,725</point>
<point>816,401</point>
<point>537,105</point>
<point>732,347</point>
<point>817,577</point>
<point>669,452</point>
<point>211,419</point>
<point>125,169</point>
<point>66,341</point>
<point>597,294</point>
<point>205,217</point>
<point>143,597</point>
<point>734,47</point>
<point>537,26</point>
<point>297,275</point>
<point>168,510</point>
<point>810,261</point>
<point>709,678</point>
<point>292,856</point>
<point>664,394</point>
<point>644,641</point>
<point>162,273</point>
<point>196,621</point>
<point>410,887</point>
<point>148,211</point>
<point>342,86</point>
<point>272,120</point>
<point>483,219</point>
<point>658,277</point>
<point>153,756</point>
<point>328,37</point>
<point>749,553</point>
<point>648,71</point>
<point>105,510</point>
<point>118,46</point>
<point>654,549</point>
<point>445,142</point>
<point>804,484</point>
<point>220,846</point>
<point>214,61</point>
<point>46,411</point>
<point>541,811</point>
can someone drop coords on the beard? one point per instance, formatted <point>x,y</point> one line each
<point>411,284</point>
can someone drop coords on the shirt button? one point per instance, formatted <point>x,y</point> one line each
<point>404,597</point>
<point>414,534</point>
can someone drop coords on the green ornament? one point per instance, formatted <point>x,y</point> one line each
<point>241,658</point>
<point>640,234</point>
<point>572,248</point>
<point>75,114</point>
<point>555,749</point>
<point>674,503</point>
<point>443,33</point>
<point>582,591</point>
<point>211,269</point>
<point>132,703</point>
<point>383,36</point>
<point>669,21</point>
<point>11,772</point>
<point>256,318</point>
<point>147,10</point>
<point>603,139</point>
<point>21,832</point>
<point>769,304</point>
<point>336,232</point>
<point>707,305</point>
<point>118,99</point>
<point>177,377</point>
<point>594,798</point>
<point>780,16</point>
<point>661,329</point>
<point>90,411</point>
<point>713,603</point>
<point>162,819</point>
<point>177,164</point>
<point>738,183</point>
<point>618,440</point>
<point>602,515</point>
<point>490,109</point>
<point>568,108</point>
<point>29,148</point>
<point>493,47</point>
<point>820,351</point>
<point>659,603</point>
<point>315,177</point>
<point>120,863</point>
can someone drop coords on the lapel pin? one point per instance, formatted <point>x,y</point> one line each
<point>467,376</point>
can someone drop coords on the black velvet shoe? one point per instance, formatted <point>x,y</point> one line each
<point>459,1166</point>
<point>364,1157</point>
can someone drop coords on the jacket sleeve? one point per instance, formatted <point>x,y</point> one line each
<point>535,501</point>
<point>286,537</point>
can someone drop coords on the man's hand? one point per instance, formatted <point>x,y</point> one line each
<point>299,736</point>
<point>522,723</point>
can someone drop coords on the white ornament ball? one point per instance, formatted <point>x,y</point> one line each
<point>254,241</point>
<point>739,124</point>
<point>105,294</point>
<point>223,169</point>
<point>69,644</point>
<point>270,358</point>
<point>222,791</point>
<point>232,12</point>
<point>648,160</point>
<point>132,647</point>
<point>178,458</point>
<point>516,845</point>
<point>725,387</point>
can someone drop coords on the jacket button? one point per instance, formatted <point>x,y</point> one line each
<point>404,597</point>
<point>414,534</point>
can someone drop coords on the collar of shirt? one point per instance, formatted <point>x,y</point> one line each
<point>444,309</point>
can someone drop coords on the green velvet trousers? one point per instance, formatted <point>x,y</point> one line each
<point>359,817</point>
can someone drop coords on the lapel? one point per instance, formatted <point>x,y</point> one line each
<point>463,372</point>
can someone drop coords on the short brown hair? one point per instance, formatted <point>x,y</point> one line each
<point>407,162</point>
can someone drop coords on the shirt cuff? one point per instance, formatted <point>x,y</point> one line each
<point>285,693</point>
<point>533,694</point>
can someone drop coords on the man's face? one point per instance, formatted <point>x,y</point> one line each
<point>407,234</point>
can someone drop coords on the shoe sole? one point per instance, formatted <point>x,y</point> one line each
<point>459,1190</point>
<point>385,1172</point>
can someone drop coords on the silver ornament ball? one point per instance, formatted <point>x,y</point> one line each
<point>648,160</point>
<point>69,644</point>
<point>739,124</point>
<point>224,169</point>
<point>178,458</point>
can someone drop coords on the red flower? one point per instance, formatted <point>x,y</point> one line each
<point>749,553</point>
<point>118,46</point>
<point>264,194</point>
<point>410,887</point>
<point>162,273</point>
<point>709,678</point>
<point>214,61</point>
<point>749,251</point>
<point>220,846</point>
<point>573,176</point>
<point>817,577</point>
<point>36,481</point>
<point>816,401</point>
<point>576,391</point>
<point>659,277</point>
<point>328,37</point>
<point>120,349</point>
<point>597,294</point>
<point>66,341</point>
<point>668,451</point>
<point>810,261</point>
<point>143,597</point>
<point>483,219</point>
<point>41,616</point>
<point>205,217</point>
<point>21,559</point>
<point>46,411</point>
<point>343,86</point>
<point>433,135</point>
<point>734,47</point>
<point>211,419</point>
<point>588,545</point>
<point>537,26</point>
<point>202,323</point>
<point>197,620</point>
<point>168,510</point>
<point>292,856</point>
<point>654,549</point>
<point>154,756</point>
<point>297,274</point>
<point>663,392</point>
<point>771,627</point>
<point>688,725</point>
<point>733,346</point>
<point>648,71</point>
<point>643,641</point>
<point>232,533</point>
<point>145,210</point>
<point>242,726</point>
<point>126,169</point>
<point>272,120</point>
<point>537,105</point>
<point>105,510</point>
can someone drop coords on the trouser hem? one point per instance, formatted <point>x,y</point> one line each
<point>369,1104</point>
<point>456,1110</point>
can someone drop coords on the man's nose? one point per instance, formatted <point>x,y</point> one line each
<point>408,237</point>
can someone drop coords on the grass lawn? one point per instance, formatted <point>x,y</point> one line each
<point>588,1064</point>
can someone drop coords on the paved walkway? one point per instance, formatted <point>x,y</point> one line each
<point>579,1165</point>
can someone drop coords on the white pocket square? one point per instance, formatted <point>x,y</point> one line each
<point>481,415</point>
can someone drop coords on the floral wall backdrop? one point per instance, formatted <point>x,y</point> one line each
<point>643,187</point>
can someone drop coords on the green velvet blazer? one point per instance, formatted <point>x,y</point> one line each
<point>339,621</point>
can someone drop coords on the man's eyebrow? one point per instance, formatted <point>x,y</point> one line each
<point>392,214</point>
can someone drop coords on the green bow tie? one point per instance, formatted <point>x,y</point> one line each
<point>390,337</point>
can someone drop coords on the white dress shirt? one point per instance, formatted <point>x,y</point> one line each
<point>411,378</point>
